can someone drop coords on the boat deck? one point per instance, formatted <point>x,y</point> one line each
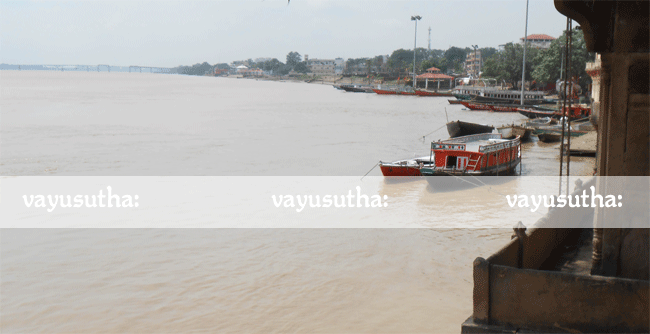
<point>482,140</point>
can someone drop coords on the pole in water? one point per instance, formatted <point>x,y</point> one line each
<point>447,116</point>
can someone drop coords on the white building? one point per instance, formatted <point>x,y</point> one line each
<point>321,66</point>
<point>539,41</point>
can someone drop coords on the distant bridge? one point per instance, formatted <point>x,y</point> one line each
<point>149,69</point>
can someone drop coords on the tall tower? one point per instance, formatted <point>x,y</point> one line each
<point>429,38</point>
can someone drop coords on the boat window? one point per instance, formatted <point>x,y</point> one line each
<point>451,161</point>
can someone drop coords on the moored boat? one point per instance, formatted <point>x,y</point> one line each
<point>492,94</point>
<point>462,97</point>
<point>421,92</point>
<point>392,92</point>
<point>454,101</point>
<point>475,155</point>
<point>406,167</point>
<point>539,122</point>
<point>460,128</point>
<point>549,137</point>
<point>489,107</point>
<point>508,97</point>
<point>513,131</point>
<point>554,133</point>
<point>575,112</point>
<point>356,88</point>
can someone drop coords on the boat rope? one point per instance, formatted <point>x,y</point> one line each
<point>377,164</point>
<point>424,137</point>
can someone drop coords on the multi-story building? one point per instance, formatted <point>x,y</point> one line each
<point>321,66</point>
<point>339,65</point>
<point>538,41</point>
<point>473,63</point>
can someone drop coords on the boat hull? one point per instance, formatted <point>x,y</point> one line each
<point>454,101</point>
<point>392,92</point>
<point>549,137</point>
<point>460,128</point>
<point>353,89</point>
<point>575,112</point>
<point>512,131</point>
<point>428,93</point>
<point>489,107</point>
<point>395,170</point>
<point>446,180</point>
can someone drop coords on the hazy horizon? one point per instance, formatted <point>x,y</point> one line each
<point>173,33</point>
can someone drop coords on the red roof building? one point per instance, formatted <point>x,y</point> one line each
<point>540,41</point>
<point>434,74</point>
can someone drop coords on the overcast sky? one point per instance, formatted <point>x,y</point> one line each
<point>172,33</point>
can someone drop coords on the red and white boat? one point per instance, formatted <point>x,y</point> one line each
<point>475,155</point>
<point>406,167</point>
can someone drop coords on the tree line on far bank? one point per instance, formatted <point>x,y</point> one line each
<point>542,65</point>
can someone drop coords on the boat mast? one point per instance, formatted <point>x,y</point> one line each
<point>523,67</point>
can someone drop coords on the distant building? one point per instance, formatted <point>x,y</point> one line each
<point>473,63</point>
<point>538,41</point>
<point>434,74</point>
<point>321,66</point>
<point>339,65</point>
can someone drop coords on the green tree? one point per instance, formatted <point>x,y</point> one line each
<point>196,69</point>
<point>402,60</point>
<point>506,65</point>
<point>301,67</point>
<point>293,58</point>
<point>273,65</point>
<point>487,52</point>
<point>455,58</point>
<point>551,60</point>
<point>377,62</point>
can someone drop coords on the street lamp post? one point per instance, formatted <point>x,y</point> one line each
<point>523,66</point>
<point>478,73</point>
<point>415,18</point>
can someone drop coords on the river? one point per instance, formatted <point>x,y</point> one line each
<point>237,280</point>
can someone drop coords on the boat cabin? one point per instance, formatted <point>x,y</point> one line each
<point>480,154</point>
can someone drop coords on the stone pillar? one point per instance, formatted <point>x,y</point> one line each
<point>623,137</point>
